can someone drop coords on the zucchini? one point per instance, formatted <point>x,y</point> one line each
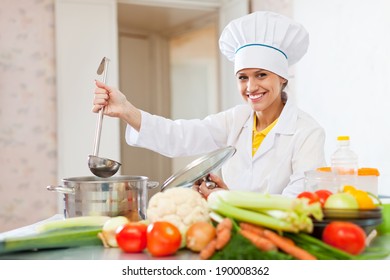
<point>62,238</point>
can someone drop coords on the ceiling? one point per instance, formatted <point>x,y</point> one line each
<point>158,19</point>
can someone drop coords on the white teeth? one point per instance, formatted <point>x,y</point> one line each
<point>255,96</point>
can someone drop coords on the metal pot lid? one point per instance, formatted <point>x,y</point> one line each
<point>199,168</point>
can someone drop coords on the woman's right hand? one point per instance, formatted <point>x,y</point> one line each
<point>115,104</point>
<point>201,186</point>
<point>113,101</point>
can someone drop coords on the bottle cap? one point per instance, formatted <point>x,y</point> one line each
<point>343,138</point>
<point>324,169</point>
<point>367,171</point>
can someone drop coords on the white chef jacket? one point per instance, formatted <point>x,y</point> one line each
<point>293,146</point>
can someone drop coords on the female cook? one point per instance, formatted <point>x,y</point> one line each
<point>275,141</point>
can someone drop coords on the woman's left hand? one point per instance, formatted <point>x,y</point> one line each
<point>201,186</point>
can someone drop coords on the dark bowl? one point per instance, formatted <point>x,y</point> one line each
<point>368,219</point>
<point>333,213</point>
<point>367,225</point>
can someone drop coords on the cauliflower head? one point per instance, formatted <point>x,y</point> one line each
<point>179,206</point>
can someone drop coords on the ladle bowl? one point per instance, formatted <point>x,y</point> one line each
<point>102,167</point>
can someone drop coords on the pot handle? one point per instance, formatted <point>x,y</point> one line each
<point>60,189</point>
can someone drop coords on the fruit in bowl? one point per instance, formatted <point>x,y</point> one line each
<point>348,198</point>
<point>343,207</point>
<point>349,205</point>
<point>363,198</point>
<point>367,224</point>
<point>341,200</point>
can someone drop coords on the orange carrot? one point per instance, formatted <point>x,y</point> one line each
<point>258,241</point>
<point>225,223</point>
<point>286,246</point>
<point>259,230</point>
<point>224,229</point>
<point>223,238</point>
<point>251,227</point>
<point>208,251</point>
<point>288,240</point>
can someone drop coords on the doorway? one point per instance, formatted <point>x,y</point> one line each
<point>166,65</point>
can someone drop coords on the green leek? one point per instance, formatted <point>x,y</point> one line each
<point>49,240</point>
<point>73,222</point>
<point>64,233</point>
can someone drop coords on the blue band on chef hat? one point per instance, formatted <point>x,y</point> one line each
<point>262,45</point>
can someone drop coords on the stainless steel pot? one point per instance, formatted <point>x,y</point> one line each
<point>115,196</point>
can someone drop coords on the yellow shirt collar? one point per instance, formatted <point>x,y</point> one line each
<point>258,136</point>
<point>266,130</point>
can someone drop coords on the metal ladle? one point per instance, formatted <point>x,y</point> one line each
<point>101,167</point>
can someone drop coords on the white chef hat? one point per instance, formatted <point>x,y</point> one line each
<point>264,40</point>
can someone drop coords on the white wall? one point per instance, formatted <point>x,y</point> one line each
<point>86,31</point>
<point>228,91</point>
<point>343,81</point>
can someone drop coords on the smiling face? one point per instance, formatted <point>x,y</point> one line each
<point>261,89</point>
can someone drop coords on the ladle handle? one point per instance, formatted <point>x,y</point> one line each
<point>98,133</point>
<point>100,115</point>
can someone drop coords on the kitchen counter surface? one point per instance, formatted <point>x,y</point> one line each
<point>81,253</point>
<point>101,253</point>
<point>92,253</point>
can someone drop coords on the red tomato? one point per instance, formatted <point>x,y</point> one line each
<point>312,197</point>
<point>131,237</point>
<point>164,239</point>
<point>323,195</point>
<point>346,236</point>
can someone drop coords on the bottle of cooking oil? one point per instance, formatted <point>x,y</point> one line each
<point>344,161</point>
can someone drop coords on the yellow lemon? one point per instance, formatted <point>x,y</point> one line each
<point>364,200</point>
<point>349,189</point>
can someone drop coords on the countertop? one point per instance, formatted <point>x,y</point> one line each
<point>102,253</point>
<point>81,253</point>
<point>92,253</point>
